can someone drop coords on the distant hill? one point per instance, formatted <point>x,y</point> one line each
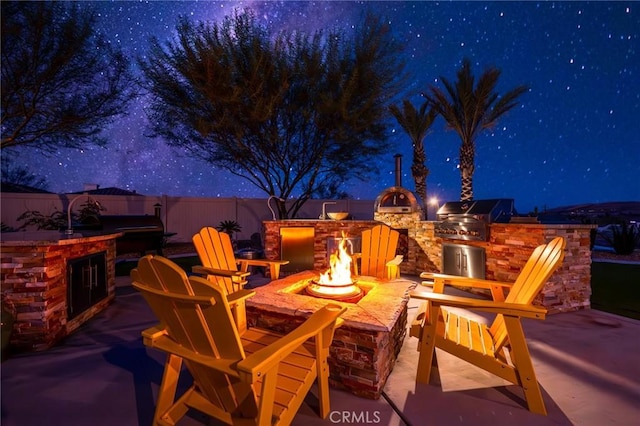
<point>601,213</point>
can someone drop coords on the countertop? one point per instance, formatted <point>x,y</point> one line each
<point>50,238</point>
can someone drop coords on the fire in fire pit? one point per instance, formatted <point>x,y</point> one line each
<point>337,283</point>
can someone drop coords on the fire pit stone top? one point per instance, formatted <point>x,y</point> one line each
<point>377,311</point>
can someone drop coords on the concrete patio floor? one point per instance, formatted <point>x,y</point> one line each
<point>586,362</point>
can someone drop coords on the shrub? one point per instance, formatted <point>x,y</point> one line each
<point>229,227</point>
<point>6,228</point>
<point>55,221</point>
<point>624,237</point>
<point>89,213</point>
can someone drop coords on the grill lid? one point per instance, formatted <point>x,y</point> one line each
<point>493,210</point>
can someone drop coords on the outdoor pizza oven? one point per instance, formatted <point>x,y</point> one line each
<point>469,220</point>
<point>396,199</point>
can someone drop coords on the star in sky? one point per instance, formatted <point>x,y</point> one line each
<point>573,139</point>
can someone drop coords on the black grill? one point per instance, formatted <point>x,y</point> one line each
<point>469,220</point>
<point>140,233</point>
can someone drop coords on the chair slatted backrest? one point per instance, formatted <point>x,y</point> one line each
<point>544,260</point>
<point>196,316</point>
<point>215,250</point>
<point>379,246</point>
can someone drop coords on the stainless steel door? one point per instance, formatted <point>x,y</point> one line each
<point>465,261</point>
<point>296,246</point>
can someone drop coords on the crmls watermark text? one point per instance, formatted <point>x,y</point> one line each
<point>355,417</point>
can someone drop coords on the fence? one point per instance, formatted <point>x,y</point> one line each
<point>182,215</point>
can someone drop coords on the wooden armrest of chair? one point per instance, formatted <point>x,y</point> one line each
<point>393,267</point>
<point>273,265</point>
<point>464,281</point>
<point>259,363</point>
<point>154,332</point>
<point>440,280</point>
<point>509,309</point>
<point>395,261</point>
<point>240,295</point>
<point>165,343</point>
<point>236,276</point>
<point>262,262</point>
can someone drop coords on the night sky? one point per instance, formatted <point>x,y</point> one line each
<point>574,139</point>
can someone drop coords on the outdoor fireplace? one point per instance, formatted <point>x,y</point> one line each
<point>348,292</point>
<point>365,347</point>
<point>336,283</point>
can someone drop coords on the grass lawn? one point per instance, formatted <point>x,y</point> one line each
<point>615,288</point>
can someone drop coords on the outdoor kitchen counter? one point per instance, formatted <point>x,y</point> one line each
<point>311,240</point>
<point>48,238</point>
<point>55,282</point>
<point>507,250</point>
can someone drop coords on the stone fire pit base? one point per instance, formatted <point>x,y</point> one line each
<point>365,348</point>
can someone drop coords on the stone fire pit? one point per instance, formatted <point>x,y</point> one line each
<point>365,348</point>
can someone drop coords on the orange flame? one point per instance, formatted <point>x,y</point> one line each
<point>339,272</point>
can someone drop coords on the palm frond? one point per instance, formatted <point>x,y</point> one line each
<point>468,108</point>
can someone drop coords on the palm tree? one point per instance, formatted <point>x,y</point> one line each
<point>469,110</point>
<point>416,124</point>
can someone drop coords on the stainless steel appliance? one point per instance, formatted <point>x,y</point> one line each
<point>296,246</point>
<point>469,220</point>
<point>462,260</point>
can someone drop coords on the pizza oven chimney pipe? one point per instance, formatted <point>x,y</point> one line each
<point>398,158</point>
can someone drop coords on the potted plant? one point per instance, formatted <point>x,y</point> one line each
<point>229,227</point>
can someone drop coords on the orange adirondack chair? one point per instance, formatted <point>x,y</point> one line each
<point>215,251</point>
<point>259,378</point>
<point>219,265</point>
<point>501,348</point>
<point>378,256</point>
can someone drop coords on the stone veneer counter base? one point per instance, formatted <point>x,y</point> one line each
<point>365,348</point>
<point>34,282</point>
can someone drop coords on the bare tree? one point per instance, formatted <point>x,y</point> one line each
<point>20,175</point>
<point>61,84</point>
<point>470,110</point>
<point>416,123</point>
<point>294,114</point>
